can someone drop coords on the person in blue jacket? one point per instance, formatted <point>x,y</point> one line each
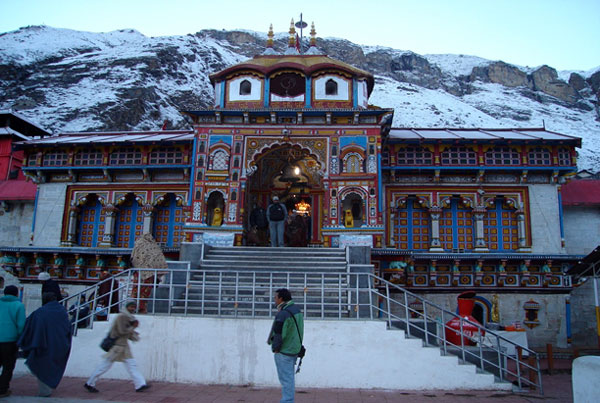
<point>12,321</point>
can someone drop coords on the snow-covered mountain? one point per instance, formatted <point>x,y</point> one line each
<point>69,80</point>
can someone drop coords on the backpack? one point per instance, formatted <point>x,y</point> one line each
<point>276,212</point>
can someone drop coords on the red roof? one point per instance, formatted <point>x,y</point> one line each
<point>17,190</point>
<point>581,193</point>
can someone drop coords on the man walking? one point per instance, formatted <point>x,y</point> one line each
<point>46,343</point>
<point>276,215</point>
<point>123,330</point>
<point>285,339</point>
<point>12,321</point>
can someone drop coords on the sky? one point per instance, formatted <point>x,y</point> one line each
<point>564,34</point>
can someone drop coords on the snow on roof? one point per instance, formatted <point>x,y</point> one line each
<point>9,131</point>
<point>480,134</point>
<point>116,137</point>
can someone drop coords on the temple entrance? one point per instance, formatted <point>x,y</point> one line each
<point>291,173</point>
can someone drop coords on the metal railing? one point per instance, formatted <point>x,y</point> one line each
<point>321,295</point>
<point>489,349</point>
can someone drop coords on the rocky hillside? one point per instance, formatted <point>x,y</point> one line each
<point>78,81</point>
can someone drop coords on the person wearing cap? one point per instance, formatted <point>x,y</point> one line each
<point>49,285</point>
<point>123,330</point>
<point>276,215</point>
<point>12,322</point>
<point>46,343</point>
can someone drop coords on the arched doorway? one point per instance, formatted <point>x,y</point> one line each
<point>293,173</point>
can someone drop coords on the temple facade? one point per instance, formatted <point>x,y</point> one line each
<point>443,209</point>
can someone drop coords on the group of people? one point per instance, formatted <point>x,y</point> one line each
<point>284,229</point>
<point>44,340</point>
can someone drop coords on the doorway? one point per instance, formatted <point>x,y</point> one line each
<point>291,173</point>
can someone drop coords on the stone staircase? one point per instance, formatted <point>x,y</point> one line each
<point>241,281</point>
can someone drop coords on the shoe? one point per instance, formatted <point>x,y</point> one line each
<point>5,394</point>
<point>142,388</point>
<point>90,388</point>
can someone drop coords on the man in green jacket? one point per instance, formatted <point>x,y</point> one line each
<point>285,339</point>
<point>12,321</point>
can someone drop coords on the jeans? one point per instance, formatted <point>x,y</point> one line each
<point>276,229</point>
<point>8,358</point>
<point>130,364</point>
<point>285,371</point>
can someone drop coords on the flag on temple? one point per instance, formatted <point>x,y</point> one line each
<point>298,45</point>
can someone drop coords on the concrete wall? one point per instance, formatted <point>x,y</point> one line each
<point>15,224</point>
<point>583,315</point>
<point>552,314</point>
<point>586,372</point>
<point>49,215</point>
<point>340,354</point>
<point>582,229</point>
<point>545,220</point>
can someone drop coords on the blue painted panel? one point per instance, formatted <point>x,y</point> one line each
<point>218,138</point>
<point>357,140</point>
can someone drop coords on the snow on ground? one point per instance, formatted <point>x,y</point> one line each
<point>457,65</point>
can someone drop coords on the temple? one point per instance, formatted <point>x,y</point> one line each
<point>441,209</point>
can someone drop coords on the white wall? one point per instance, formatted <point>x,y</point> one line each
<point>342,90</point>
<point>586,372</point>
<point>545,219</point>
<point>340,354</point>
<point>49,215</point>
<point>363,94</point>
<point>15,224</point>
<point>582,229</point>
<point>233,93</point>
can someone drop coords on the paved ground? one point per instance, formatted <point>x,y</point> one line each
<point>557,388</point>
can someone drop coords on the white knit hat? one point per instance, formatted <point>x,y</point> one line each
<point>43,276</point>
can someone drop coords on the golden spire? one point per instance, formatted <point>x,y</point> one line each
<point>270,36</point>
<point>313,35</point>
<point>292,40</point>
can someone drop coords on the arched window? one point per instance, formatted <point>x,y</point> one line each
<point>166,155</point>
<point>245,87</point>
<point>331,87</point>
<point>129,222</point>
<point>215,205</point>
<point>126,156</point>
<point>88,157</point>
<point>354,204</point>
<point>411,226</point>
<point>55,158</point>
<point>353,163</point>
<point>539,156</point>
<point>500,227</point>
<point>414,155</point>
<point>459,155</point>
<point>456,226</point>
<point>168,222</point>
<point>564,156</point>
<point>219,161</point>
<point>502,155</point>
<point>91,222</point>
